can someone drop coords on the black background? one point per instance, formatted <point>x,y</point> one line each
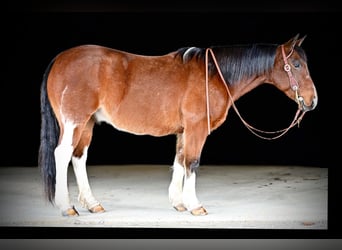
<point>39,31</point>
<point>36,31</point>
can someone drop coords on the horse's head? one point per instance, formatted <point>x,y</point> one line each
<point>291,74</point>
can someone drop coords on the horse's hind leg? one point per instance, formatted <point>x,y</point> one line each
<point>79,158</point>
<point>63,153</point>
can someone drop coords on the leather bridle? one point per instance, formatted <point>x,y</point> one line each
<point>294,86</point>
<point>293,82</point>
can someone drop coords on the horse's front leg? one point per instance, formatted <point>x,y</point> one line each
<point>176,186</point>
<point>195,135</point>
<point>182,190</point>
<point>190,199</point>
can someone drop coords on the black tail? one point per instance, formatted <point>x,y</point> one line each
<point>49,134</point>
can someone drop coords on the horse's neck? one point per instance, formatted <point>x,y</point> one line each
<point>245,86</point>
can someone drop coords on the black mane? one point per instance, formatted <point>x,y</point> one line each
<point>236,62</point>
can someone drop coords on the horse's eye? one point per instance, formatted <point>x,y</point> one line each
<point>296,64</point>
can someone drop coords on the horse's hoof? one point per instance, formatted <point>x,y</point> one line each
<point>70,212</point>
<point>180,208</point>
<point>199,211</point>
<point>97,209</point>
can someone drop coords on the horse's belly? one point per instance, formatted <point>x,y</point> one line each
<point>141,122</point>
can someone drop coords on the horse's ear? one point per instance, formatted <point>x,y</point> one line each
<point>290,44</point>
<point>300,41</point>
<point>292,41</point>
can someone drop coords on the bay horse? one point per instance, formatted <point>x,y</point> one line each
<point>187,93</point>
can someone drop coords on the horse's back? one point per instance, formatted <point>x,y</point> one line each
<point>93,50</point>
<point>137,93</point>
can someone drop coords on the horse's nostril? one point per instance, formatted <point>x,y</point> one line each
<point>309,107</point>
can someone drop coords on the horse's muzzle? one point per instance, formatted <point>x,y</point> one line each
<point>305,107</point>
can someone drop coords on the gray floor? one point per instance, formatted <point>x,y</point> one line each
<point>266,197</point>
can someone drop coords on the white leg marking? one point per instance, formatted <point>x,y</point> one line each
<point>189,192</point>
<point>85,196</point>
<point>176,185</point>
<point>63,154</point>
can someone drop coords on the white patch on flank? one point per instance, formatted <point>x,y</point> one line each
<point>101,116</point>
<point>85,196</point>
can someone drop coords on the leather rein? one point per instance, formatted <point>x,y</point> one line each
<point>294,86</point>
